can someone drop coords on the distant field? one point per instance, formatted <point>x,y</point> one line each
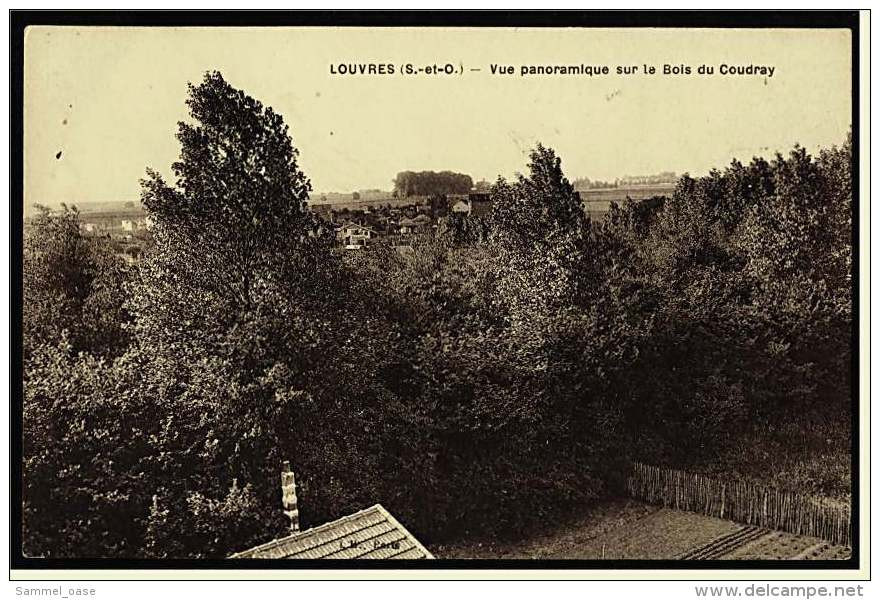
<point>121,213</point>
<point>636,192</point>
<point>597,201</point>
<point>111,208</point>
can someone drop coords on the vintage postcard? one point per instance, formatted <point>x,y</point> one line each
<point>498,291</point>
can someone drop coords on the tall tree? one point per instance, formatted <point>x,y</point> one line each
<point>237,311</point>
<point>537,207</point>
<point>540,229</point>
<point>235,229</point>
<point>72,286</point>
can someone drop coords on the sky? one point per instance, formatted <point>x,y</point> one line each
<point>109,99</point>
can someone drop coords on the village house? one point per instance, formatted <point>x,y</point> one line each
<point>354,236</point>
<point>421,223</point>
<point>474,204</point>
<point>462,206</point>
<point>406,226</point>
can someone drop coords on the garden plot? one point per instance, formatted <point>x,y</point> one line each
<point>630,530</point>
<point>779,545</point>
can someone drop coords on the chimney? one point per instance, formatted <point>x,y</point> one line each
<point>288,496</point>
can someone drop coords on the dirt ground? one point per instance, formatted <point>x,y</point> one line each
<point>627,529</point>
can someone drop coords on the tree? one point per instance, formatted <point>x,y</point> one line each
<point>537,207</point>
<point>235,228</point>
<point>797,249</point>
<point>427,183</point>
<point>72,287</point>
<point>541,231</point>
<point>237,310</point>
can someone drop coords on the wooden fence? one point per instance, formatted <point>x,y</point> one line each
<point>741,501</point>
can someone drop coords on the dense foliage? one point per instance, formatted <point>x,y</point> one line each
<point>428,183</point>
<point>506,368</point>
<point>72,287</point>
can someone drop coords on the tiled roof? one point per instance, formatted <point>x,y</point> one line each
<point>353,225</point>
<point>370,533</point>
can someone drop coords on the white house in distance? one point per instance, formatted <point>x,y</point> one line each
<point>137,224</point>
<point>354,236</point>
<point>474,204</point>
<point>462,206</point>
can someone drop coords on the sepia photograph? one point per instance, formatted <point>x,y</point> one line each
<point>480,294</point>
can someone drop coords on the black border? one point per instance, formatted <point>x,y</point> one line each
<point>20,20</point>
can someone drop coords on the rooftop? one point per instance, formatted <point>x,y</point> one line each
<point>370,533</point>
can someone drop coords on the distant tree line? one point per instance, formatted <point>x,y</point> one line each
<point>585,183</point>
<point>662,177</point>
